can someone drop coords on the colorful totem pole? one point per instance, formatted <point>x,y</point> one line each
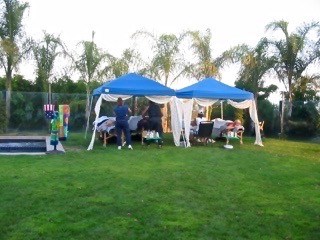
<point>54,124</point>
<point>64,114</point>
<point>54,135</point>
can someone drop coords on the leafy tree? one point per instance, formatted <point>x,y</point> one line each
<point>45,54</point>
<point>305,119</point>
<point>167,62</point>
<point>66,85</point>
<point>269,116</point>
<point>255,65</point>
<point>88,65</point>
<point>206,65</point>
<point>12,48</point>
<point>306,89</point>
<point>294,53</point>
<point>19,84</point>
<point>119,66</point>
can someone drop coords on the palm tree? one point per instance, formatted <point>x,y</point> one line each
<point>119,66</point>
<point>12,48</point>
<point>294,52</point>
<point>206,65</point>
<point>45,54</point>
<point>255,65</point>
<point>88,65</point>
<point>307,88</point>
<point>167,62</point>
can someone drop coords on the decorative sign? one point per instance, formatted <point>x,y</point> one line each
<point>49,110</point>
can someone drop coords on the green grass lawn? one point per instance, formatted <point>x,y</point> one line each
<point>203,192</point>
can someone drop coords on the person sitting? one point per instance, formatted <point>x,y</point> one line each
<point>195,124</point>
<point>234,126</point>
<point>233,129</point>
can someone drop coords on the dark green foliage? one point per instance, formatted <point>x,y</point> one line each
<point>61,85</point>
<point>27,111</point>
<point>66,85</point>
<point>19,84</point>
<point>77,120</point>
<point>267,112</point>
<point>239,114</point>
<point>229,112</point>
<point>2,83</point>
<point>305,120</point>
<point>3,117</point>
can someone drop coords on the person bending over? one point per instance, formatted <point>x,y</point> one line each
<point>155,115</point>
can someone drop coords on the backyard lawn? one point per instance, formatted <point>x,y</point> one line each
<point>203,192</point>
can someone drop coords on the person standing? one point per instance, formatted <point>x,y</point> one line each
<point>122,111</point>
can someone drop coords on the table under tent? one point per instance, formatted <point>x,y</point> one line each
<point>127,86</point>
<point>205,93</point>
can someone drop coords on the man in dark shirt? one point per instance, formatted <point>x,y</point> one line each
<point>122,125</point>
<point>155,115</point>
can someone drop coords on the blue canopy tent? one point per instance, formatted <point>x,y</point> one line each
<point>134,85</point>
<point>210,88</point>
<point>208,91</point>
<point>126,86</point>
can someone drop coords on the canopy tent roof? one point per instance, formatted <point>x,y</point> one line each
<point>134,84</point>
<point>211,88</point>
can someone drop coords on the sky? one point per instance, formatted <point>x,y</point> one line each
<point>231,22</point>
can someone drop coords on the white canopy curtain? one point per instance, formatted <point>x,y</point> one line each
<point>113,98</point>
<point>182,110</point>
<point>181,114</point>
<point>251,104</point>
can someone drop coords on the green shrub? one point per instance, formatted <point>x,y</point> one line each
<point>77,120</point>
<point>304,121</point>
<point>3,117</point>
<point>268,112</point>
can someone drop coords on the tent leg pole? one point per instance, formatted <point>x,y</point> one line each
<point>221,103</point>
<point>184,139</point>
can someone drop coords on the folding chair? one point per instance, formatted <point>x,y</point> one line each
<point>204,132</point>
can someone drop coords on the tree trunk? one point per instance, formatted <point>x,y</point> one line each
<point>290,103</point>
<point>88,103</point>
<point>290,94</point>
<point>282,116</point>
<point>50,95</point>
<point>165,122</point>
<point>8,94</point>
